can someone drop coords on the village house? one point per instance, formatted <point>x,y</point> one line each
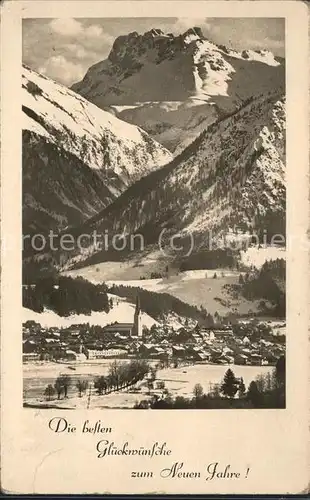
<point>223,333</point>
<point>227,359</point>
<point>29,346</point>
<point>255,359</point>
<point>30,356</point>
<point>240,359</point>
<point>159,353</point>
<point>95,353</point>
<point>178,351</point>
<point>147,349</point>
<point>69,334</point>
<point>74,356</point>
<point>227,351</point>
<point>199,355</point>
<point>123,329</point>
<point>110,353</point>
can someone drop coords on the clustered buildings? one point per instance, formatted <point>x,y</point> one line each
<point>245,343</point>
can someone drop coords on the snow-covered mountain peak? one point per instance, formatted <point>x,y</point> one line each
<point>263,56</point>
<point>145,73</point>
<point>193,34</point>
<point>86,129</point>
<point>76,157</point>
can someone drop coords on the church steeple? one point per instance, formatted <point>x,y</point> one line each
<point>138,307</point>
<point>137,326</point>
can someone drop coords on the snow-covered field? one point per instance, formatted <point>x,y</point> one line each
<point>258,256</point>
<point>181,381</point>
<point>122,311</point>
<point>160,284</point>
<point>197,287</point>
<point>37,376</point>
<point>178,381</point>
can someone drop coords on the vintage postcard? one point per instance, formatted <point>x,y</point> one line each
<point>155,254</point>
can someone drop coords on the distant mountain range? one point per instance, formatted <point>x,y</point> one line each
<point>175,86</point>
<point>77,158</point>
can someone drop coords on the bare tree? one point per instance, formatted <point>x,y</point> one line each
<point>58,387</point>
<point>198,391</point>
<point>66,384</point>
<point>62,384</point>
<point>101,384</point>
<point>49,392</point>
<point>81,386</point>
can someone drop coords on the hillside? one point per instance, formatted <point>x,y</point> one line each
<point>77,158</point>
<point>197,288</point>
<point>122,311</point>
<point>229,181</point>
<point>174,86</point>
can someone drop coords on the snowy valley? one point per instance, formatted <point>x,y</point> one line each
<point>181,143</point>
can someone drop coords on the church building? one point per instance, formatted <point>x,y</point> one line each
<point>130,329</point>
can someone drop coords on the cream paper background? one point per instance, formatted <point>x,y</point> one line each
<point>274,444</point>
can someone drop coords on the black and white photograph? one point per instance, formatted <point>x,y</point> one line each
<point>154,213</point>
<point>155,247</point>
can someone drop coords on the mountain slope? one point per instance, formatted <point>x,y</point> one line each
<point>76,158</point>
<point>229,179</point>
<point>175,86</point>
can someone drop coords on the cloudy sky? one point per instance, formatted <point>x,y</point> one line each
<point>64,49</point>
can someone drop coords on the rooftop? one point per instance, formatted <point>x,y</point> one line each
<point>119,326</point>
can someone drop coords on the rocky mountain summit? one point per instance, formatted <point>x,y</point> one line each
<point>174,86</point>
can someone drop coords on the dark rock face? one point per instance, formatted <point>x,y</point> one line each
<point>194,31</point>
<point>58,188</point>
<point>127,49</point>
<point>174,86</point>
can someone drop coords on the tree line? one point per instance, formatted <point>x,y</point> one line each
<point>267,283</point>
<point>157,305</point>
<point>123,375</point>
<point>120,375</point>
<point>212,259</point>
<point>266,391</point>
<point>65,296</point>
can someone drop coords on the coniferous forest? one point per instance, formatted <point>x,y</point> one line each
<point>66,296</point>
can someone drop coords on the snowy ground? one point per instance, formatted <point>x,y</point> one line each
<point>258,256</point>
<point>141,263</point>
<point>36,377</point>
<point>178,381</point>
<point>181,381</point>
<point>122,311</point>
<point>163,284</point>
<point>197,287</point>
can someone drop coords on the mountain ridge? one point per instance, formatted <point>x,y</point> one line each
<point>232,176</point>
<point>82,157</point>
<point>176,86</point>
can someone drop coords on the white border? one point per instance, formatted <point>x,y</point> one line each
<point>272,442</point>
